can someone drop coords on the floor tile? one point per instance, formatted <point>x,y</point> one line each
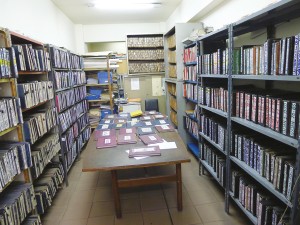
<point>171,198</point>
<point>102,220</point>
<point>102,209</point>
<point>78,197</point>
<point>212,212</point>
<point>77,211</point>
<point>157,217</point>
<point>73,222</point>
<point>132,205</point>
<point>152,203</point>
<point>103,194</point>
<point>130,219</point>
<point>187,216</point>
<point>55,213</point>
<point>202,196</point>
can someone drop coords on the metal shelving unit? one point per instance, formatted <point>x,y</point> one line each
<point>267,19</point>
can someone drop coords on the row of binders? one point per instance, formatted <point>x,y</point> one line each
<point>10,113</point>
<point>43,152</point>
<point>16,203</point>
<point>77,145</point>
<point>145,42</point>
<point>268,110</point>
<point>70,97</point>
<point>32,220</point>
<point>149,54</point>
<point>214,129</point>
<point>69,137</point>
<point>216,161</point>
<point>190,54</point>
<point>76,62</point>
<point>190,91</point>
<point>64,59</point>
<point>192,126</point>
<point>275,163</point>
<point>273,57</point>
<point>37,124</point>
<point>214,97</point>
<point>14,158</point>
<point>47,186</point>
<point>30,59</point>
<point>34,93</point>
<point>68,79</point>
<point>263,207</point>
<point>172,71</point>
<point>189,73</point>
<point>68,117</point>
<point>146,67</point>
<point>8,66</point>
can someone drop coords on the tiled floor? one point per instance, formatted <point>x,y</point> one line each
<point>88,200</point>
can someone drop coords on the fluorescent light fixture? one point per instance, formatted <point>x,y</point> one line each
<point>125,5</point>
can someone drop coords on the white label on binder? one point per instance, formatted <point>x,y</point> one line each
<point>106,133</point>
<point>152,138</point>
<point>128,131</point>
<point>107,141</point>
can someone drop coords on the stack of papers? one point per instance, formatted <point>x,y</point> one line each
<point>146,151</point>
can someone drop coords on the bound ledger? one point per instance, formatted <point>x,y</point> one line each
<point>106,142</point>
<point>151,139</point>
<point>146,151</point>
<point>104,133</point>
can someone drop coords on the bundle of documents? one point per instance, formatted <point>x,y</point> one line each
<point>126,139</point>
<point>14,157</point>
<point>16,202</point>
<point>8,66</point>
<point>60,58</point>
<point>150,139</point>
<point>164,128</point>
<point>10,114</point>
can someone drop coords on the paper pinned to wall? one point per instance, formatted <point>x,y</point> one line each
<point>156,86</point>
<point>135,84</point>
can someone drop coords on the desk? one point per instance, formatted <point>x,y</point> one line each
<point>114,159</point>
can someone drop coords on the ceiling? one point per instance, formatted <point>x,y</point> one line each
<point>79,12</point>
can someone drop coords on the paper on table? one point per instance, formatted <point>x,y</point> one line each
<point>165,145</point>
<point>137,158</point>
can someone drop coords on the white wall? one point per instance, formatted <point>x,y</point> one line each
<point>40,20</point>
<point>230,11</point>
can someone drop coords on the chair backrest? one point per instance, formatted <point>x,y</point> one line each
<point>151,104</point>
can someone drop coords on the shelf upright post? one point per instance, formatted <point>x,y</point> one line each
<point>200,141</point>
<point>229,109</point>
<point>295,215</point>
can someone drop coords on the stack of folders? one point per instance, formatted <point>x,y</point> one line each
<point>30,59</point>
<point>68,98</point>
<point>8,66</point>
<point>164,128</point>
<point>10,113</point>
<point>106,142</point>
<point>33,220</point>
<point>127,139</point>
<point>14,157</point>
<point>145,130</point>
<point>43,152</point>
<point>33,93</point>
<point>151,139</point>
<point>76,62</point>
<point>104,133</point>
<point>47,186</point>
<point>144,151</point>
<point>16,203</point>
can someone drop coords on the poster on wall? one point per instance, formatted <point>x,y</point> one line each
<point>135,84</point>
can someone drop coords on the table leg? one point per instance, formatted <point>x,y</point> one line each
<point>179,186</point>
<point>116,193</point>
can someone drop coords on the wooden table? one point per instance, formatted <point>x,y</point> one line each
<point>114,159</point>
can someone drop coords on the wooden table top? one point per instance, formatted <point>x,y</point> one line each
<point>117,158</point>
